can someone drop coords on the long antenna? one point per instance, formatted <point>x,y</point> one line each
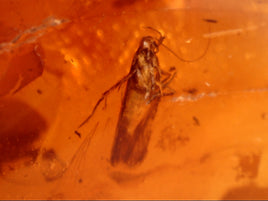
<point>160,41</point>
<point>161,38</point>
<point>186,60</point>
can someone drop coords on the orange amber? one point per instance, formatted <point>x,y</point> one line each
<point>209,139</point>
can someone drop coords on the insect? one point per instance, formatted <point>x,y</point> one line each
<point>146,84</point>
<point>144,89</point>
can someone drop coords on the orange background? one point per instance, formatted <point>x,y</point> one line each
<point>57,58</point>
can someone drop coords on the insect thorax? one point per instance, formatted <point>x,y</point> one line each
<point>146,65</point>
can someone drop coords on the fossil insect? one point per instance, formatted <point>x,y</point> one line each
<point>146,84</point>
<point>144,89</point>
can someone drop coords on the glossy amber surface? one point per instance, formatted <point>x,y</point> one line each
<point>209,140</point>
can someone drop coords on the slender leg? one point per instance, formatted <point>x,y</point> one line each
<point>106,93</point>
<point>163,85</point>
<point>169,76</point>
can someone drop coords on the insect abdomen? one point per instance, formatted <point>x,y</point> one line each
<point>134,127</point>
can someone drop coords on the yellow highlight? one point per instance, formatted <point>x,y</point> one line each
<point>100,33</point>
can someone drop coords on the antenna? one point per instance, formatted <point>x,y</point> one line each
<point>186,60</point>
<point>160,41</point>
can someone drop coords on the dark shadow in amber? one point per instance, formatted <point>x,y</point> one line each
<point>248,166</point>
<point>249,192</point>
<point>123,3</point>
<point>20,127</point>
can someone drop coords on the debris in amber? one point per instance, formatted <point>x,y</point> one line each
<point>208,139</point>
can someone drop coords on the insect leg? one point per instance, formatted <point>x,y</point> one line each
<point>163,85</point>
<point>169,76</point>
<point>106,93</point>
<point>170,91</point>
<point>167,80</point>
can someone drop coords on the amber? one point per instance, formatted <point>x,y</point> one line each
<point>209,139</point>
